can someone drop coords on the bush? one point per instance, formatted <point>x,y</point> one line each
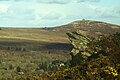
<point>86,48</point>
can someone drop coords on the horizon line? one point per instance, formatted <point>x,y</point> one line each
<point>39,26</point>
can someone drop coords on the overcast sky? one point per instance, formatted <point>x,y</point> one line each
<point>37,13</point>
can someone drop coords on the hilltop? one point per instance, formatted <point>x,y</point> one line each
<point>90,27</point>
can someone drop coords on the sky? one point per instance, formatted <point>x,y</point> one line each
<point>50,13</point>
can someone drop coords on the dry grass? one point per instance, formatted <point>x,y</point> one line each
<point>42,46</point>
<point>33,34</point>
<point>28,61</point>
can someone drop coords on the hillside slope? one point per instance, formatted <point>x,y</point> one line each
<point>90,27</point>
<point>58,33</point>
<point>51,38</point>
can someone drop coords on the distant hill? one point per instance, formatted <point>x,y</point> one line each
<point>58,33</point>
<point>90,27</point>
<point>54,38</point>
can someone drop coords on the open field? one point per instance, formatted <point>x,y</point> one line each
<point>33,34</point>
<point>28,48</point>
<point>32,39</point>
<point>27,61</point>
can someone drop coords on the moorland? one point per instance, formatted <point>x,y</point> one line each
<point>24,50</point>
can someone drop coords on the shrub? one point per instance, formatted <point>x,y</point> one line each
<point>86,47</point>
<point>18,69</point>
